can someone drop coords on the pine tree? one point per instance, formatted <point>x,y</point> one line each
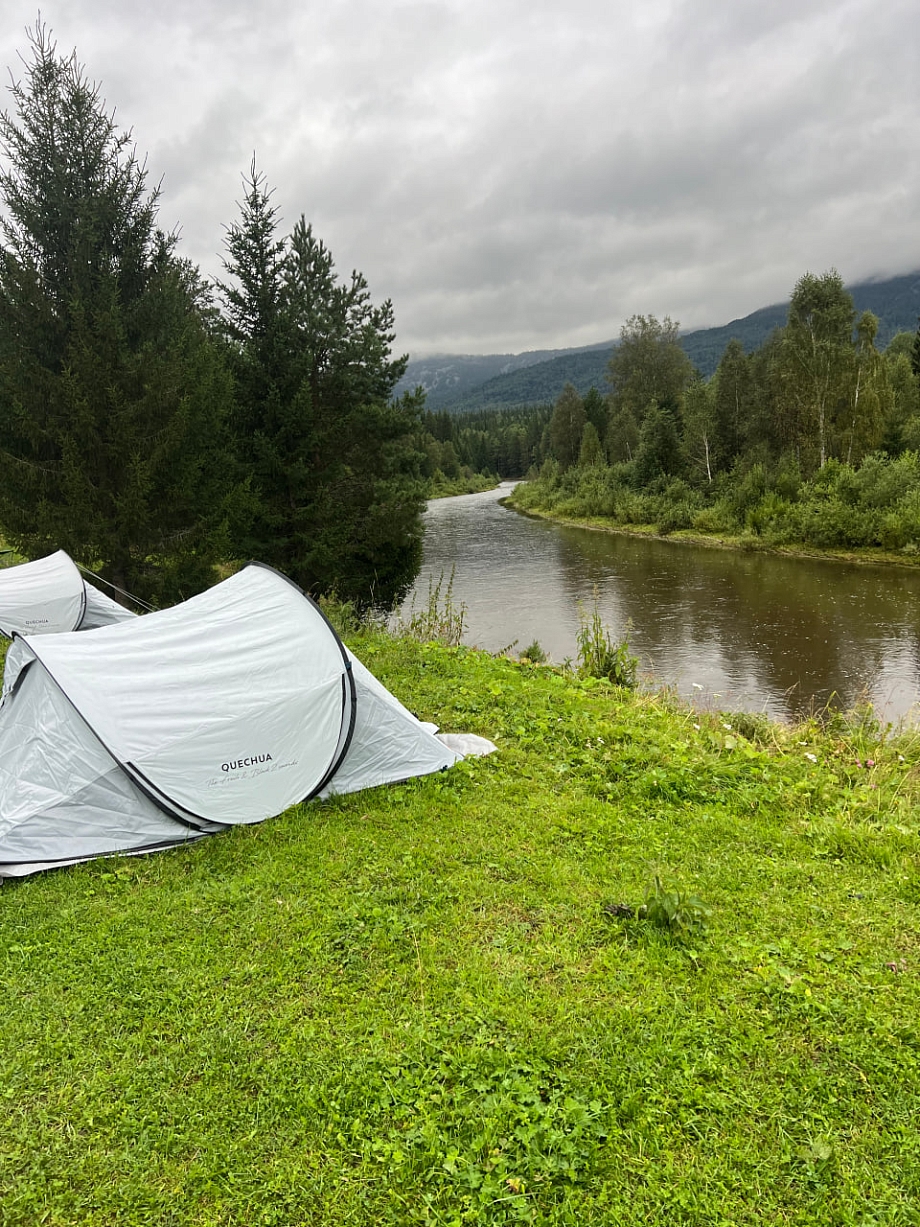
<point>112,389</point>
<point>659,453</point>
<point>596,411</point>
<point>622,436</point>
<point>334,474</point>
<point>915,353</point>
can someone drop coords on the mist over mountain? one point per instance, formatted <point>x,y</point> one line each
<point>463,383</point>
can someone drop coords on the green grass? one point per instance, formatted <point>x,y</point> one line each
<point>447,487</point>
<point>418,1004</point>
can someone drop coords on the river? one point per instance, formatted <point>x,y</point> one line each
<point>725,628</point>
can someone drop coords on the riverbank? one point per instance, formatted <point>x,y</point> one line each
<point>748,542</point>
<point>476,484</point>
<point>433,1004</point>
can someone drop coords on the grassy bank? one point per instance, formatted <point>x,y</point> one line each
<point>420,1004</point>
<point>869,514</point>
<point>749,542</point>
<point>446,487</point>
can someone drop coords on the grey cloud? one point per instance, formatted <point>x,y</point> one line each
<point>522,175</point>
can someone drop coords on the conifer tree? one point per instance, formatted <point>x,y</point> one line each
<point>731,405</point>
<point>111,386</point>
<point>334,474</point>
<point>622,436</point>
<point>591,454</point>
<point>659,453</point>
<point>596,411</point>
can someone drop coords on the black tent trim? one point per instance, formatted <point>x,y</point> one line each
<point>174,809</point>
<point>343,746</point>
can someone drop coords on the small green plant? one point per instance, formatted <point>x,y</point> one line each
<point>678,911</point>
<point>342,614</point>
<point>599,656</point>
<point>440,620</point>
<point>534,653</point>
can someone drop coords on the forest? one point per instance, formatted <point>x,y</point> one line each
<point>160,427</point>
<point>811,439</point>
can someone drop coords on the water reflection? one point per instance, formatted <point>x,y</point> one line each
<point>756,631</point>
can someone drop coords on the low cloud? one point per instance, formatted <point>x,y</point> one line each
<point>518,176</point>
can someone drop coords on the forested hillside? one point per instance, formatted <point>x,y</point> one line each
<point>448,378</point>
<point>812,439</point>
<point>895,302</point>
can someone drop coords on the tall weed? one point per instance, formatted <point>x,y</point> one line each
<point>599,655</point>
<point>440,620</point>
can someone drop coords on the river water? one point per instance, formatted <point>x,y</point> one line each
<point>727,629</point>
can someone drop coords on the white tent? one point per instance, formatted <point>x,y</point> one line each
<point>50,595</point>
<point>226,709</point>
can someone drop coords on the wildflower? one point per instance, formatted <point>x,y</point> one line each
<point>858,763</point>
<point>697,727</point>
<point>726,726</point>
<point>812,758</point>
<point>870,762</point>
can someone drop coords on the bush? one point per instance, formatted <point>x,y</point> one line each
<point>768,516</point>
<point>674,518</point>
<point>745,491</point>
<point>717,519</point>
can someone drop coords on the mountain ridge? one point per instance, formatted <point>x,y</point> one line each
<point>462,383</point>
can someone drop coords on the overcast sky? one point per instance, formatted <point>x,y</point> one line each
<point>520,174</point>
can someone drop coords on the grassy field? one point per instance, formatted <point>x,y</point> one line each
<point>420,1004</point>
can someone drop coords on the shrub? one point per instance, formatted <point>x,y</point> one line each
<point>768,514</point>
<point>674,518</point>
<point>716,519</point>
<point>747,490</point>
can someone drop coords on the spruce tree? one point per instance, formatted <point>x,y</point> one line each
<point>333,471</point>
<point>591,454</point>
<point>111,386</point>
